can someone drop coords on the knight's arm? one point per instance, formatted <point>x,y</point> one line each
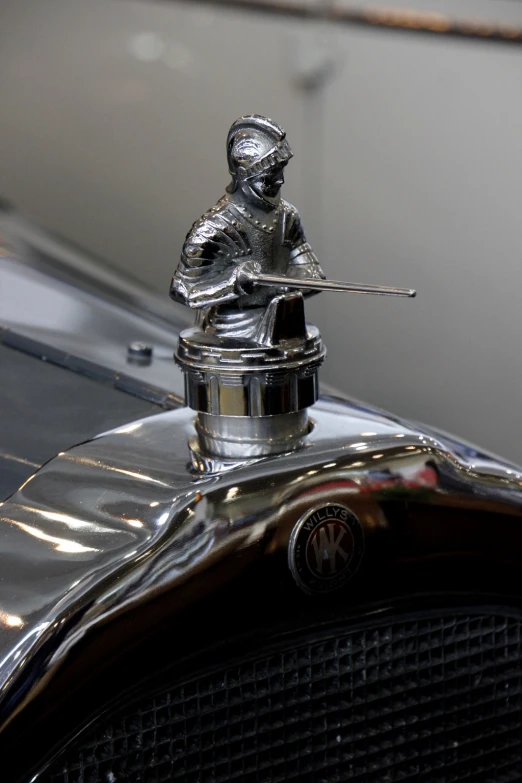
<point>207,271</point>
<point>197,287</point>
<point>303,261</point>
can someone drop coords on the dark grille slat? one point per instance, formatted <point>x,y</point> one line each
<point>438,699</point>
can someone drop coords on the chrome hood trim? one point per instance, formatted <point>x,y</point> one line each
<point>112,522</point>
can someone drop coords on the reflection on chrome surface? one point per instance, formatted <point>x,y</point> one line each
<point>106,525</point>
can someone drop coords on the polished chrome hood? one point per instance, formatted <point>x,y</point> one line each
<point>112,522</point>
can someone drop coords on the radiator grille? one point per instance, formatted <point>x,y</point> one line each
<point>432,699</point>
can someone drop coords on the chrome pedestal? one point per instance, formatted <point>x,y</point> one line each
<point>251,395</point>
<point>237,437</point>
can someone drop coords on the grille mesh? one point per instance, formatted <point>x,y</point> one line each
<point>436,699</point>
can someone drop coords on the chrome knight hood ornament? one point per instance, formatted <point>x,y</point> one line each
<point>251,362</point>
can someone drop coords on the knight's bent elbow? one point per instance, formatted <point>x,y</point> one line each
<point>189,297</point>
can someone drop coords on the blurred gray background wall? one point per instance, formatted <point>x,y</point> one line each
<point>407,171</point>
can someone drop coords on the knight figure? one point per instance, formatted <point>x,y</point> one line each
<point>251,361</point>
<point>250,229</point>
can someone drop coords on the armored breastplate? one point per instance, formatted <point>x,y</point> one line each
<point>266,239</point>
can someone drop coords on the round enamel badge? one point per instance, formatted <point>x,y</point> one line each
<point>326,548</point>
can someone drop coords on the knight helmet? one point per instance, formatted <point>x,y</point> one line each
<point>254,145</point>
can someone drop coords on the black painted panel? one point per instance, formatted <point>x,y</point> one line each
<point>45,409</point>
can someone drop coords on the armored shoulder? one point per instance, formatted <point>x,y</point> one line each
<point>293,234</point>
<point>217,236</point>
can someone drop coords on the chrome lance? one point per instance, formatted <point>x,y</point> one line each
<point>247,278</point>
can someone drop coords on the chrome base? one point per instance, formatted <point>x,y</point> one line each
<point>251,395</point>
<point>245,437</point>
<point>237,377</point>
